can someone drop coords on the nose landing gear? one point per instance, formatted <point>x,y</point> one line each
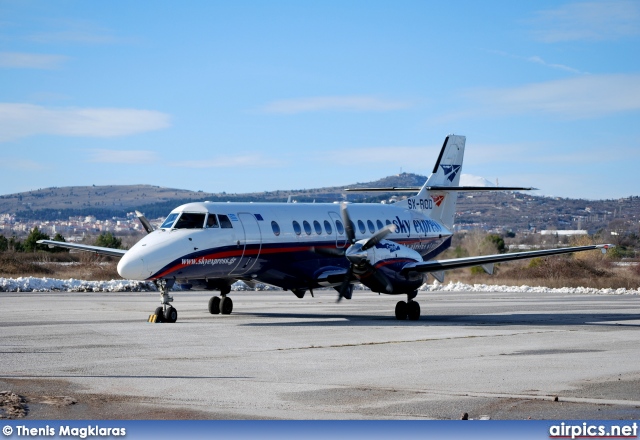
<point>166,312</point>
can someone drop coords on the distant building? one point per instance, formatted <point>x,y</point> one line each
<point>564,232</point>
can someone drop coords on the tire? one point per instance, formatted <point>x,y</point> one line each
<point>214,305</point>
<point>171,315</point>
<point>159,314</point>
<point>413,310</point>
<point>401,310</point>
<point>226,306</point>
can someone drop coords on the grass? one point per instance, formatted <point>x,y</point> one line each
<point>558,271</point>
<point>63,265</point>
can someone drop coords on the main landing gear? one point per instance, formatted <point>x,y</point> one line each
<point>221,304</point>
<point>409,309</point>
<point>166,312</point>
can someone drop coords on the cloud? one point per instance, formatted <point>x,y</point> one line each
<point>586,96</point>
<point>22,120</point>
<point>20,164</point>
<point>75,31</point>
<point>588,21</point>
<point>335,103</point>
<point>126,156</point>
<point>537,60</point>
<point>250,160</point>
<point>18,60</point>
<point>392,156</point>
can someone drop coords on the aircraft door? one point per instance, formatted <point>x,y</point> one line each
<point>252,243</point>
<point>341,239</point>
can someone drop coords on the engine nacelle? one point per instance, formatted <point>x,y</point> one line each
<point>385,260</point>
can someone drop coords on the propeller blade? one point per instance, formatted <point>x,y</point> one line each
<point>328,252</point>
<point>348,225</point>
<point>345,290</point>
<point>145,223</point>
<point>378,236</point>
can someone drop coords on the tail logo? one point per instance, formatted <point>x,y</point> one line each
<point>437,200</point>
<point>450,171</point>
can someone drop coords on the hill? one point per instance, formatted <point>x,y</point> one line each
<point>105,202</point>
<point>490,211</point>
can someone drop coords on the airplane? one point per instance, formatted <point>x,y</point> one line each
<point>388,248</point>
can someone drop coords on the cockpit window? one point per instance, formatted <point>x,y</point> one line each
<point>168,222</point>
<point>190,220</point>
<point>224,221</point>
<point>212,221</point>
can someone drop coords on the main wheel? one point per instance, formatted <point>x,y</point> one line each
<point>214,305</point>
<point>401,310</point>
<point>226,306</point>
<point>171,314</point>
<point>159,314</point>
<point>413,310</point>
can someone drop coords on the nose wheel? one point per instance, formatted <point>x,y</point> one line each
<point>166,312</point>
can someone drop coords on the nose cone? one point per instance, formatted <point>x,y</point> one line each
<point>131,267</point>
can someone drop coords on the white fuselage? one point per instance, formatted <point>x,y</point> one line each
<point>270,242</point>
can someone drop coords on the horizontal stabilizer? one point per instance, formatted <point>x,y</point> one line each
<point>411,189</point>
<point>442,188</point>
<point>84,247</point>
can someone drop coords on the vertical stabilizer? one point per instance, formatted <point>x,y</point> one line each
<point>440,204</point>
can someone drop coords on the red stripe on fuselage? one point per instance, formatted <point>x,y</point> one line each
<point>260,251</point>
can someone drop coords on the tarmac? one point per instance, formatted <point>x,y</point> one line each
<point>490,354</point>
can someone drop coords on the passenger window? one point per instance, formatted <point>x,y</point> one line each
<point>212,221</point>
<point>296,227</point>
<point>189,220</point>
<point>169,221</point>
<point>379,224</point>
<point>224,221</point>
<point>339,227</point>
<point>276,228</point>
<point>372,229</point>
<point>317,227</point>
<point>327,227</point>
<point>361,227</point>
<point>307,227</point>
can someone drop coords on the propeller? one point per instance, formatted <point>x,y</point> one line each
<point>145,223</point>
<point>357,254</point>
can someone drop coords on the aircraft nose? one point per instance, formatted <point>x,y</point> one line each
<point>132,268</point>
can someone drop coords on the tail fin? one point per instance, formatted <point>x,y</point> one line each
<point>439,203</point>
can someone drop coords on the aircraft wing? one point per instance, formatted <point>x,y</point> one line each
<point>84,247</point>
<point>456,263</point>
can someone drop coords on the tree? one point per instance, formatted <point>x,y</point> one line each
<point>107,239</point>
<point>497,241</point>
<point>58,237</point>
<point>30,244</point>
<point>4,243</point>
<point>15,244</point>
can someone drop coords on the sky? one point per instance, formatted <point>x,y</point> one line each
<point>248,96</point>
